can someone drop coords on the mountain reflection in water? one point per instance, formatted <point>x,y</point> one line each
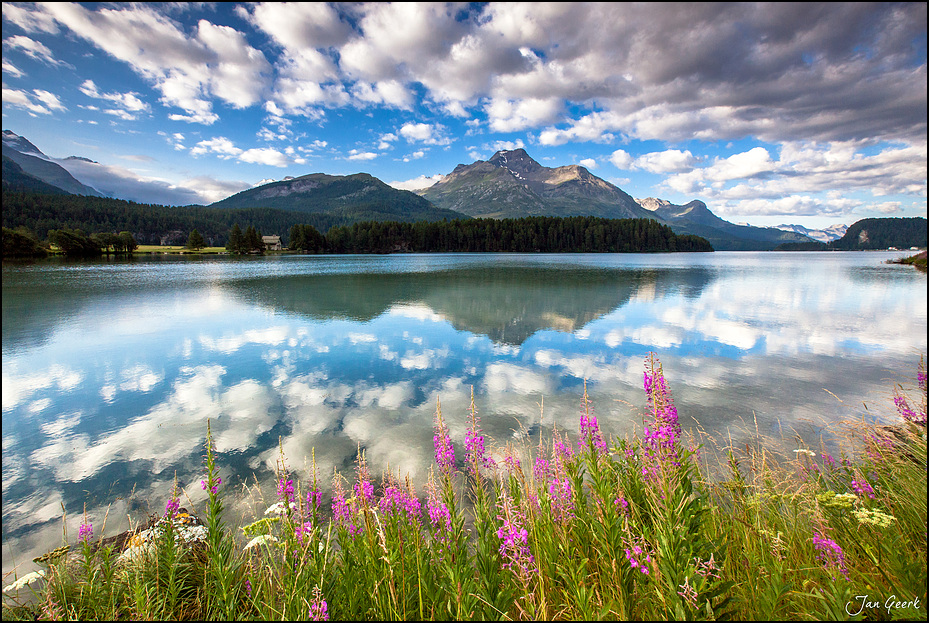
<point>507,304</point>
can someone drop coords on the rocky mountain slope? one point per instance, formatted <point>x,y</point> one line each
<point>512,185</point>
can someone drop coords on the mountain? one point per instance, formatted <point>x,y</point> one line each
<point>355,197</point>
<point>36,164</point>
<point>695,218</point>
<point>881,233</point>
<point>833,232</point>
<point>17,180</point>
<point>512,185</point>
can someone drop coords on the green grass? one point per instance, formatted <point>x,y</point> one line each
<point>652,526</point>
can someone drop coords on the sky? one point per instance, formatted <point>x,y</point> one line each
<point>772,113</point>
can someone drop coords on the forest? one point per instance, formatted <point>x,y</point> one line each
<point>545,234</point>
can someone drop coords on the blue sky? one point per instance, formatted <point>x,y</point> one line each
<point>809,113</point>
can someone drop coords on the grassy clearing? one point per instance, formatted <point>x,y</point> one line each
<point>578,529</point>
<point>178,249</point>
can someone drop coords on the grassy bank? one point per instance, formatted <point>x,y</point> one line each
<point>581,528</point>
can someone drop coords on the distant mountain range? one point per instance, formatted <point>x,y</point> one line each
<point>833,232</point>
<point>511,184</point>
<point>695,218</point>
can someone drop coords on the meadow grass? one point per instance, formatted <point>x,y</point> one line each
<point>653,526</point>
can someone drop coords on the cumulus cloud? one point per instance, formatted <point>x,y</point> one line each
<point>188,69</point>
<point>38,102</point>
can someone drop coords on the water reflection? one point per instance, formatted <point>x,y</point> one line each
<point>506,303</point>
<point>111,372</point>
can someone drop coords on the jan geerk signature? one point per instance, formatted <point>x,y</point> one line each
<point>891,603</point>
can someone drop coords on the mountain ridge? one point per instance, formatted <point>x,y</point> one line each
<point>511,184</point>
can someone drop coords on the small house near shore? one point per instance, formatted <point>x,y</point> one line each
<point>271,243</point>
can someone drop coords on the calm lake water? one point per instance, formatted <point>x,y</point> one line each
<point>111,369</point>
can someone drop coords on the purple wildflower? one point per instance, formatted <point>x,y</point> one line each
<point>562,499</point>
<point>341,509</point>
<point>285,491</point>
<point>542,470</point>
<point>862,488</point>
<point>364,490</point>
<point>444,450</point>
<point>400,501</point>
<point>214,488</point>
<point>635,556</point>
<point>85,532</point>
<point>304,531</point>
<point>319,609</point>
<point>515,540</point>
<point>440,517</point>
<point>909,413</point>
<point>622,504</point>
<point>248,587</point>
<point>590,429</point>
<point>830,553</point>
<point>172,507</point>
<point>660,403</point>
<point>475,452</point>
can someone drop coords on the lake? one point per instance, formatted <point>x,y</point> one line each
<point>112,368</point>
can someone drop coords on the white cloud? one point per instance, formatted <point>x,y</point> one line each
<point>621,159</point>
<point>418,183</point>
<point>588,163</point>
<point>32,103</point>
<point>31,48</point>
<point>669,161</point>
<point>213,61</point>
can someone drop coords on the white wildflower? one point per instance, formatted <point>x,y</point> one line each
<point>261,539</point>
<point>873,517</point>
<point>279,509</point>
<point>27,579</point>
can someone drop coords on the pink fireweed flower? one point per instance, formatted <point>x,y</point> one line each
<point>304,532</point>
<point>341,509</point>
<point>908,413</point>
<point>514,546</point>
<point>285,491</point>
<point>622,504</point>
<point>171,508</point>
<point>590,429</point>
<point>541,470</point>
<point>440,517</point>
<point>475,452</point>
<point>319,609</point>
<point>248,587</point>
<point>363,489</point>
<point>638,553</point>
<point>660,403</point>
<point>85,532</point>
<point>444,450</point>
<point>562,499</point>
<point>862,488</point>
<point>830,554</point>
<point>214,488</point>
<point>400,501</point>
<point>688,592</point>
